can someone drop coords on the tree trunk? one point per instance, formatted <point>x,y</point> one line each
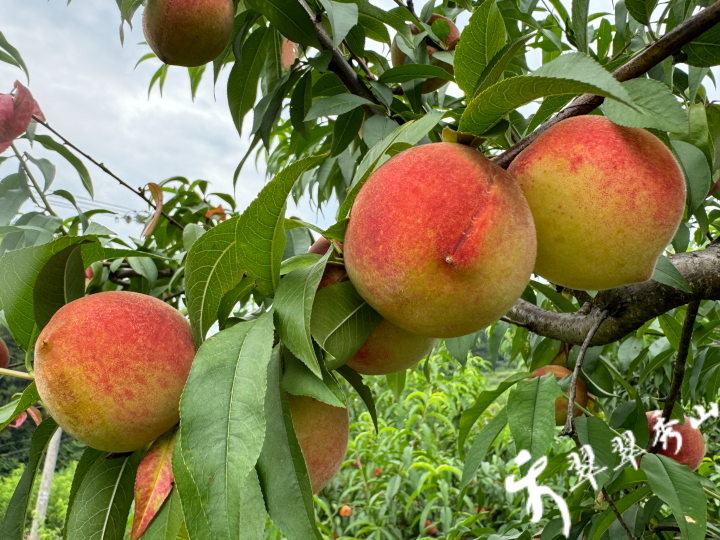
<point>45,484</point>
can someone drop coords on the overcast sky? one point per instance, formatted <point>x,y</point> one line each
<point>87,86</point>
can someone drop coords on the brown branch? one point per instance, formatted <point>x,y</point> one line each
<point>138,192</point>
<point>340,66</point>
<point>617,513</point>
<point>683,348</point>
<point>629,306</point>
<point>655,53</point>
<point>361,62</point>
<point>569,420</point>
<point>129,273</point>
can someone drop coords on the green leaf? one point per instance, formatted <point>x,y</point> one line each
<point>356,381</point>
<point>196,520</point>
<point>243,81</point>
<point>88,458</point>
<point>481,445</point>
<point>167,522</point>
<point>672,330</point>
<point>347,127</point>
<point>579,23</point>
<point>333,105</point>
<point>337,230</point>
<point>573,73</point>
<point>460,346</point>
<point>704,51</point>
<point>681,489</point>
<point>145,267</point>
<point>549,106</point>
<point>260,232</point>
<point>484,400</point>
<point>560,302</point>
<point>46,168</point>
<point>293,308</point>
<point>103,499</point>
<point>481,39</point>
<point>298,380</point>
<point>658,107</point>
<point>253,515</point>
<point>641,10</point>
<point>14,54</point>
<point>496,67</point>
<point>10,411</point>
<point>223,424</point>
<point>191,233</point>
<point>666,273</point>
<point>210,272</point>
<point>602,522</point>
<point>231,298</point>
<point>61,281</point>
<point>51,144</point>
<point>13,524</point>
<point>409,72</point>
<point>531,414</point>
<point>300,104</point>
<point>342,17</point>
<point>597,434</point>
<point>14,191</point>
<point>290,18</point>
<point>696,171</point>
<point>341,322</point>
<point>281,467</point>
<point>371,16</point>
<point>655,363</point>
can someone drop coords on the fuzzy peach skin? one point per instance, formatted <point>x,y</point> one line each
<point>322,431</point>
<point>606,200</point>
<point>188,33</point>
<point>4,355</point>
<point>389,348</point>
<point>397,57</point>
<point>441,241</point>
<point>561,403</point>
<point>110,368</point>
<point>692,450</point>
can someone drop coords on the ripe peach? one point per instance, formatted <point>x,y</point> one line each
<point>561,403</point>
<point>4,355</point>
<point>188,33</point>
<point>389,348</point>
<point>606,200</point>
<point>345,511</point>
<point>692,449</point>
<point>398,57</point>
<point>441,241</point>
<point>110,368</point>
<point>322,431</point>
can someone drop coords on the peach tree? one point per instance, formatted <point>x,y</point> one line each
<point>341,92</point>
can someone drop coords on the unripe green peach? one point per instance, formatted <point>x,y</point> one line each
<point>110,368</point>
<point>440,241</point>
<point>561,403</point>
<point>188,33</point>
<point>606,200</point>
<point>397,57</point>
<point>692,449</point>
<point>322,431</point>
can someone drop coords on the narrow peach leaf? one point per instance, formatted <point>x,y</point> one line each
<point>157,196</point>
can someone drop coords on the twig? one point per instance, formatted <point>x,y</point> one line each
<point>619,53</point>
<point>369,74</point>
<point>34,182</point>
<point>569,428</point>
<point>410,7</point>
<point>17,374</point>
<point>617,513</point>
<point>171,296</point>
<point>653,54</point>
<point>683,349</point>
<point>138,192</point>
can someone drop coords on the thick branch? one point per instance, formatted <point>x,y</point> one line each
<point>629,306</point>
<point>655,53</point>
<point>679,371</point>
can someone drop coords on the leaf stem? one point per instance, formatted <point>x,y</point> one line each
<point>17,374</point>
<point>34,182</point>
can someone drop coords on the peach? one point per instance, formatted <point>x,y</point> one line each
<point>188,33</point>
<point>398,57</point>
<point>110,368</point>
<point>389,349</point>
<point>692,449</point>
<point>561,403</point>
<point>606,200</point>
<point>322,431</point>
<point>440,241</point>
<point>4,355</point>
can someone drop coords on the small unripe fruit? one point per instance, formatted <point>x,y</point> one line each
<point>398,58</point>
<point>322,431</point>
<point>561,403</point>
<point>692,449</point>
<point>4,355</point>
<point>188,33</point>
<point>440,241</point>
<point>110,368</point>
<point>606,200</point>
